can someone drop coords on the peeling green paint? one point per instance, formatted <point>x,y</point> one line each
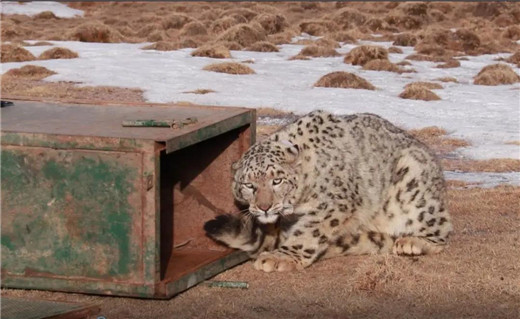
<point>68,214</point>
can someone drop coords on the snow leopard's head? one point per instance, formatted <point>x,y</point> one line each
<point>265,178</point>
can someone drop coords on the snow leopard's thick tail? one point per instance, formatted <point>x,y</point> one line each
<point>238,231</point>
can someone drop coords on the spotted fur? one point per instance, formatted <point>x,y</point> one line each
<point>329,185</point>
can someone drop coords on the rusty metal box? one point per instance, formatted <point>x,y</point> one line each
<point>90,206</point>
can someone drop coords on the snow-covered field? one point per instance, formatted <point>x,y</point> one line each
<point>33,8</point>
<point>486,116</point>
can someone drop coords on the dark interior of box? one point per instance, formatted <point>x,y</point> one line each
<point>196,187</point>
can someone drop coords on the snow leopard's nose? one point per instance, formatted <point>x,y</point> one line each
<point>264,206</point>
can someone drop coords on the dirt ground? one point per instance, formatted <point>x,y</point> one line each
<point>477,276</point>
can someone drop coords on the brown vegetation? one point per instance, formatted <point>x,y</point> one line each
<point>394,50</point>
<point>514,58</point>
<point>344,80</point>
<point>162,46</point>
<point>383,65</point>
<point>229,68</point>
<point>14,53</point>
<point>243,34</point>
<point>451,63</point>
<point>262,46</point>
<point>496,74</point>
<point>418,93</point>
<point>435,137</point>
<point>448,79</point>
<point>216,51</point>
<point>500,165</point>
<point>193,28</point>
<point>200,91</point>
<point>317,27</point>
<point>426,85</point>
<point>58,53</point>
<point>272,23</point>
<point>175,21</point>
<point>95,32</point>
<point>32,72</point>
<point>318,51</point>
<point>362,54</point>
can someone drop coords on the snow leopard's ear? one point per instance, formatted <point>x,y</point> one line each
<point>292,151</point>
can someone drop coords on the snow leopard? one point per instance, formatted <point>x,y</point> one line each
<point>328,185</point>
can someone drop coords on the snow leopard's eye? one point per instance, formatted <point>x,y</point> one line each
<point>277,181</point>
<point>248,185</point>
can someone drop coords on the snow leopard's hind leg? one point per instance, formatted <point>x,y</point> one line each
<point>414,210</point>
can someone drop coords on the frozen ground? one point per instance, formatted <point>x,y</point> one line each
<point>33,8</point>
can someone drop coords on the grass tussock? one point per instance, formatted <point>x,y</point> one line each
<point>318,27</point>
<point>327,42</point>
<point>229,68</point>
<point>243,34</point>
<point>394,50</point>
<point>222,24</point>
<point>32,72</point>
<point>246,13</point>
<point>14,53</point>
<point>231,45</point>
<point>216,51</point>
<point>281,38</point>
<point>262,46</point>
<point>318,51</point>
<point>512,33</point>
<point>496,74</point>
<point>418,93</point>
<point>162,46</point>
<point>200,91</point>
<point>424,57</point>
<point>193,28</point>
<point>383,65</point>
<point>426,85</point>
<point>344,80</point>
<point>343,36</point>
<point>447,79</point>
<point>362,54</point>
<point>272,23</point>
<point>514,58</point>
<point>175,21</point>
<point>349,17</point>
<point>95,32</point>
<point>58,53</point>
<point>46,15</point>
<point>451,63</point>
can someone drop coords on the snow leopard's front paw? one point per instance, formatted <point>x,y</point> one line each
<point>276,261</point>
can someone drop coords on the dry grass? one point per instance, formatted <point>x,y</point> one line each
<point>394,50</point>
<point>496,74</point>
<point>317,27</point>
<point>175,21</point>
<point>383,65</point>
<point>95,32</point>
<point>58,53</point>
<point>14,53</point>
<point>447,79</point>
<point>362,54</point>
<point>231,45</point>
<point>343,36</point>
<point>501,165</point>
<point>475,277</point>
<point>426,85</point>
<point>513,143</point>
<point>194,28</point>
<point>344,80</point>
<point>272,23</point>
<point>318,51</point>
<point>162,46</point>
<point>424,57</point>
<point>33,89</point>
<point>452,63</point>
<point>327,42</point>
<point>418,93</point>
<point>223,24</point>
<point>216,51</point>
<point>349,17</point>
<point>514,58</point>
<point>243,34</point>
<point>200,91</point>
<point>38,43</point>
<point>32,72</point>
<point>262,46</point>
<point>229,68</point>
<point>435,137</point>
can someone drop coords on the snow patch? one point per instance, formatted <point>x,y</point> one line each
<point>33,8</point>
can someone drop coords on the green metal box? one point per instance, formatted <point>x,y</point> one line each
<point>94,207</point>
